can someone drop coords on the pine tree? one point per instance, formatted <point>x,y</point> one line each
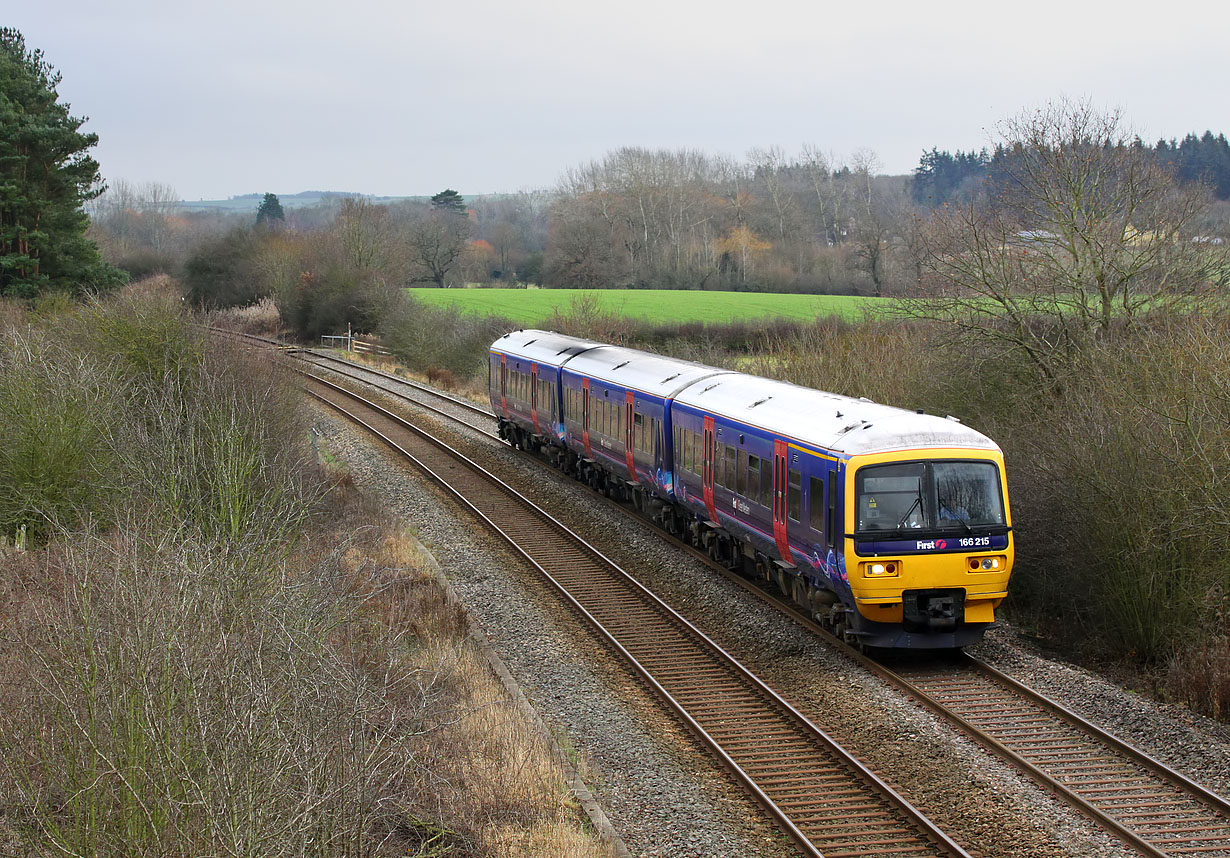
<point>270,211</point>
<point>46,176</point>
<point>449,201</point>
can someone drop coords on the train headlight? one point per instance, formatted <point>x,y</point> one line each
<point>885,569</point>
<point>987,564</point>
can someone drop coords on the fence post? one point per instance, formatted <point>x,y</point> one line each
<point>349,338</point>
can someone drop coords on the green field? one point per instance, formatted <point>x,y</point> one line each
<point>534,306</point>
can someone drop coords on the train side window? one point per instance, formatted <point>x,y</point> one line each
<point>719,476</point>
<point>794,506</point>
<point>815,500</point>
<point>753,477</point>
<point>741,473</point>
<point>730,467</point>
<point>766,483</point>
<point>638,432</point>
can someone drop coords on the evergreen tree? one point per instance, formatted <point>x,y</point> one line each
<point>270,211</point>
<point>942,177</point>
<point>46,176</point>
<point>449,201</point>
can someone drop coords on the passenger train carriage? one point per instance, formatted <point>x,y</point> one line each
<point>890,527</point>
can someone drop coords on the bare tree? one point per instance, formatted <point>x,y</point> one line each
<point>1084,233</point>
<point>436,242</point>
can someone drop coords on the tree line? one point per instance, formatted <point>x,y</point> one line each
<point>942,177</point>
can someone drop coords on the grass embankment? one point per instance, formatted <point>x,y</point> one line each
<point>534,307</point>
<point>211,646</point>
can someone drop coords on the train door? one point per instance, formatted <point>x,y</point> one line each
<point>780,489</point>
<point>706,477</point>
<point>534,396</point>
<point>504,384</point>
<point>629,450</point>
<point>585,417</point>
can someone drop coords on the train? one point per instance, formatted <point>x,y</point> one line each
<point>890,527</point>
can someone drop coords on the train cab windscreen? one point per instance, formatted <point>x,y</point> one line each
<point>928,496</point>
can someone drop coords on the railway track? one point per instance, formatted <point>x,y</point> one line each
<point>821,796</point>
<point>1155,810</point>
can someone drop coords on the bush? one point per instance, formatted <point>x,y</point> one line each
<point>59,414</point>
<point>220,272</point>
<point>433,339</point>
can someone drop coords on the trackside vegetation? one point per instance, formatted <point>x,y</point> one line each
<point>211,644</point>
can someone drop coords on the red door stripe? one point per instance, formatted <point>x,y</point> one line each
<point>780,502</point>
<point>707,476</point>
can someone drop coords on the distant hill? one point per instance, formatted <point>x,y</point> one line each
<point>250,202</point>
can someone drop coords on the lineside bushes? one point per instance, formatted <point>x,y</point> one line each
<point>211,646</point>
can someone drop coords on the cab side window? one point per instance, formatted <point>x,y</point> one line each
<point>815,499</point>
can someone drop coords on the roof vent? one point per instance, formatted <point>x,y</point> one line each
<point>839,416</point>
<point>865,399</point>
<point>760,402</point>
<point>670,377</point>
<point>710,387</point>
<point>953,419</point>
<point>619,365</point>
<point>531,342</point>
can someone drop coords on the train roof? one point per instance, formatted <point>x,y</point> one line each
<point>638,370</point>
<point>544,347</point>
<point>826,420</point>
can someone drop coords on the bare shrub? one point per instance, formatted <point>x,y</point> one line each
<point>441,377</point>
<point>177,697</point>
<point>1123,481</point>
<point>1200,677</point>
<point>221,450</point>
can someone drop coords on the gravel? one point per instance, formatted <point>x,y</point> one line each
<point>665,796</point>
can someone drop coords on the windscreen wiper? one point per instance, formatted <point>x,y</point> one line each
<point>909,512</point>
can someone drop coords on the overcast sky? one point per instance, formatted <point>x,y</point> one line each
<point>384,97</point>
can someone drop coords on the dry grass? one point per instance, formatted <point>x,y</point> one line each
<point>261,318</point>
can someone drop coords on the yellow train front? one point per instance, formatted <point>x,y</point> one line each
<point>928,548</point>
